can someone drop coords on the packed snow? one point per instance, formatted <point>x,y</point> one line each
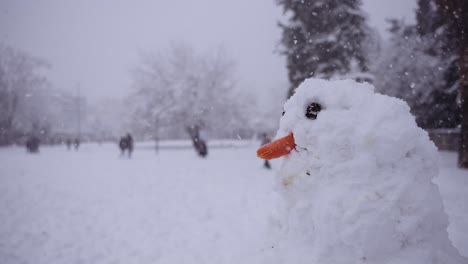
<point>93,206</point>
<point>358,185</point>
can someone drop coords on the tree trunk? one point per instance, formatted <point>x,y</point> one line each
<point>463,152</point>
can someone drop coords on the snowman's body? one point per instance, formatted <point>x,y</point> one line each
<point>358,184</point>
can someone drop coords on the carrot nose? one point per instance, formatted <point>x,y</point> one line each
<point>277,148</point>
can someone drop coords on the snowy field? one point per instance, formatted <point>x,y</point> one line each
<point>93,206</point>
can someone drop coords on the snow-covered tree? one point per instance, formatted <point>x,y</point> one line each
<point>324,38</point>
<point>411,70</point>
<point>180,88</point>
<point>419,65</point>
<point>22,93</point>
<point>106,120</point>
<point>455,15</point>
<point>433,28</point>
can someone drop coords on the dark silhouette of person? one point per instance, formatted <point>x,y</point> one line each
<point>122,145</point>
<point>76,143</point>
<point>32,144</point>
<point>68,142</point>
<point>200,145</point>
<point>266,140</point>
<point>126,144</point>
<point>198,142</point>
<point>129,144</point>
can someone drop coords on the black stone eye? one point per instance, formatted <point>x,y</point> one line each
<point>282,114</point>
<point>312,110</point>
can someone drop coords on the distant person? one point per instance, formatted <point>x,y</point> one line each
<point>198,142</point>
<point>68,142</point>
<point>126,144</point>
<point>32,144</point>
<point>266,140</point>
<point>122,145</point>
<point>76,143</point>
<point>129,144</point>
<point>200,146</point>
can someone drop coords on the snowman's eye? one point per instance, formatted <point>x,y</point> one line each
<point>312,110</point>
<point>282,114</point>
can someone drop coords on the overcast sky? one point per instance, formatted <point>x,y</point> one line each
<point>95,43</point>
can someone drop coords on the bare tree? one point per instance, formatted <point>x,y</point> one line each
<point>21,92</point>
<point>180,88</point>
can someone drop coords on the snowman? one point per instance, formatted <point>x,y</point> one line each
<point>356,180</point>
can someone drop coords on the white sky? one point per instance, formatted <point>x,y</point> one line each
<point>96,42</point>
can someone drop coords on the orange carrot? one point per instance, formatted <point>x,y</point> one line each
<point>277,148</point>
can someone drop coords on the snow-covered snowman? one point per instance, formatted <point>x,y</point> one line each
<point>356,178</point>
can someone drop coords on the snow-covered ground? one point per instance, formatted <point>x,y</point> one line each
<point>93,206</point>
<point>453,185</point>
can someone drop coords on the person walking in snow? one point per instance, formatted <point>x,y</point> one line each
<point>129,139</point>
<point>32,144</point>
<point>122,145</point>
<point>126,144</point>
<point>198,142</point>
<point>68,142</point>
<point>76,143</point>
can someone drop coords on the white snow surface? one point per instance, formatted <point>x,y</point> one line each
<point>93,206</point>
<point>358,188</point>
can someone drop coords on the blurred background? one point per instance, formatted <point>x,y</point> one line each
<point>94,71</point>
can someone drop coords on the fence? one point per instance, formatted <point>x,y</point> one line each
<point>445,139</point>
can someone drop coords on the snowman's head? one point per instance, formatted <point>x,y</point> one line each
<point>338,120</point>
